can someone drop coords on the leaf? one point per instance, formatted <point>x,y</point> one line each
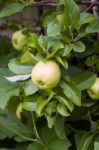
<point>43,42</point>
<point>71,14</point>
<point>96,145</point>
<point>42,102</point>
<point>71,91</point>
<point>79,47</point>
<point>66,101</point>
<point>37,57</point>
<point>14,126</point>
<point>84,19</point>
<point>85,141</point>
<point>57,144</point>
<point>85,80</point>
<point>18,78</point>
<point>18,68</point>
<point>53,29</point>
<point>64,63</point>
<point>91,60</point>
<point>54,46</point>
<point>36,42</point>
<point>60,128</point>
<point>68,48</point>
<point>78,137</point>
<point>51,108</point>
<point>50,120</point>
<point>62,110</point>
<point>7,89</point>
<point>27,57</point>
<point>11,9</point>
<point>35,146</point>
<point>30,106</point>
<point>93,26</point>
<point>30,88</point>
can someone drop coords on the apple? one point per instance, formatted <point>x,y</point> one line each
<point>19,111</point>
<point>19,40</point>
<point>93,91</point>
<point>46,74</point>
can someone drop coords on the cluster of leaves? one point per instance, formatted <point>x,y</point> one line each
<point>72,117</point>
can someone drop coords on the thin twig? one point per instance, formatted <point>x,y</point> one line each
<point>19,134</point>
<point>36,131</point>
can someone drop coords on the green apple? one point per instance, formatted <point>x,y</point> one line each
<point>46,74</point>
<point>19,40</point>
<point>19,111</point>
<point>93,91</point>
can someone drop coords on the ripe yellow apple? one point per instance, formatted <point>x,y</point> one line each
<point>46,74</point>
<point>93,91</point>
<point>19,40</point>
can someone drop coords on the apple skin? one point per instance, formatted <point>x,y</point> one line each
<point>19,40</point>
<point>93,91</point>
<point>19,111</point>
<point>46,74</point>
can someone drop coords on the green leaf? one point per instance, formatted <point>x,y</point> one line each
<point>78,137</point>
<point>53,29</point>
<point>91,60</point>
<point>36,42</point>
<point>35,146</point>
<point>27,57</point>
<point>60,128</point>
<point>30,106</point>
<point>96,145</point>
<point>7,89</point>
<point>42,102</point>
<point>71,91</point>
<point>30,88</point>
<point>37,57</point>
<point>71,14</point>
<point>18,68</point>
<point>54,46</point>
<point>84,19</point>
<point>63,62</point>
<point>13,126</point>
<point>11,9</point>
<point>66,101</point>
<point>18,78</point>
<point>93,26</point>
<point>43,42</point>
<point>85,141</point>
<point>79,47</point>
<point>57,144</point>
<point>62,110</point>
<point>47,134</point>
<point>51,108</point>
<point>50,120</point>
<point>68,48</point>
<point>85,80</point>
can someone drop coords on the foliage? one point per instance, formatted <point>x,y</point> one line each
<point>64,117</point>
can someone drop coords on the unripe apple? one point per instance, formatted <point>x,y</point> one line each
<point>19,111</point>
<point>93,91</point>
<point>46,74</point>
<point>19,40</point>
